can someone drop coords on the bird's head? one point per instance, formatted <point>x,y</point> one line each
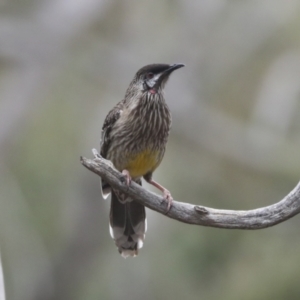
<point>152,78</point>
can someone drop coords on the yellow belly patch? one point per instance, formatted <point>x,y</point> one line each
<point>142,163</point>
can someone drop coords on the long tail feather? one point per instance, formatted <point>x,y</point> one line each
<point>127,225</point>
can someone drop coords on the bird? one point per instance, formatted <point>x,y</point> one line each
<point>134,137</point>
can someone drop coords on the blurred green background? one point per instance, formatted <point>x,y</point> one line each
<point>234,144</point>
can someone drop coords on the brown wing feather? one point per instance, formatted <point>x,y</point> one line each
<point>109,122</point>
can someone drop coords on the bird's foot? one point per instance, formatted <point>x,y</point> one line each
<point>167,195</point>
<point>127,177</point>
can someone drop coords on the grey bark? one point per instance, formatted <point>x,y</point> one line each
<point>258,218</point>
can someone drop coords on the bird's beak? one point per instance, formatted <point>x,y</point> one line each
<point>165,74</point>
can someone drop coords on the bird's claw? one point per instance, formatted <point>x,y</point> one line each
<point>127,177</point>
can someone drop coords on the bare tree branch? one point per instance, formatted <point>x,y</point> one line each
<point>258,218</point>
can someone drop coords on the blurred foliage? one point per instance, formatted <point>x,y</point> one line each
<point>234,145</point>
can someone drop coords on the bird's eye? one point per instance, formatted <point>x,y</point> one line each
<point>150,75</point>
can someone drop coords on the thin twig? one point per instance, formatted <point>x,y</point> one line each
<point>258,218</point>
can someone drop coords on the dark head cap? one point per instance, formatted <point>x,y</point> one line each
<point>155,76</point>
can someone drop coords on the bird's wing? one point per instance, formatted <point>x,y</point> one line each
<point>109,122</point>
